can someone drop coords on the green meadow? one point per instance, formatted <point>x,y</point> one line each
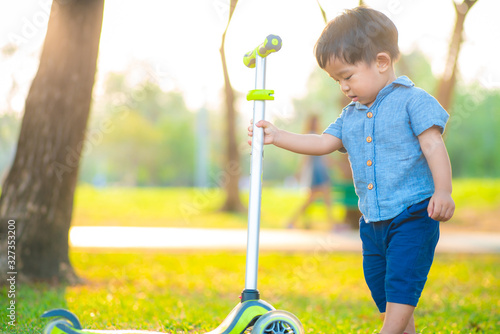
<point>477,202</point>
<point>193,291</point>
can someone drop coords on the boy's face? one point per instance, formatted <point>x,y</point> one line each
<point>360,82</point>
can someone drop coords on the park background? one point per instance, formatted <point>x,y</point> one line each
<point>155,153</point>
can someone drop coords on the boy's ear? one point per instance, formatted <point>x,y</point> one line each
<point>383,61</point>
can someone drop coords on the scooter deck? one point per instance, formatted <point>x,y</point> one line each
<point>240,318</point>
<point>111,331</point>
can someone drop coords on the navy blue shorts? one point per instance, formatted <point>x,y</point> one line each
<point>398,254</point>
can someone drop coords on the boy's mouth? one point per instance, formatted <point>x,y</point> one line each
<point>353,98</point>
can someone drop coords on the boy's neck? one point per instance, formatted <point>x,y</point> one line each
<point>387,78</point>
<point>391,76</point>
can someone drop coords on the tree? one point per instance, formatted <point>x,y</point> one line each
<point>352,214</point>
<point>38,191</point>
<point>447,82</point>
<point>232,171</point>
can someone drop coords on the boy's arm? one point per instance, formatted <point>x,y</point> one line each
<point>311,144</point>
<point>441,206</point>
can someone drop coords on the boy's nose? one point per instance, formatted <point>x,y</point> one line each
<point>345,88</point>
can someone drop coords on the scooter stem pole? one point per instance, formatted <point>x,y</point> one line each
<point>259,107</point>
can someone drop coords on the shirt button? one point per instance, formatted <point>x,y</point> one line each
<point>369,139</point>
<point>369,163</point>
<point>370,186</point>
<point>369,114</point>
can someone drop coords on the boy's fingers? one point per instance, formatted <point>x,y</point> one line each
<point>262,123</point>
<point>430,208</point>
<point>449,214</point>
<point>446,216</point>
<point>436,215</point>
<point>436,211</point>
<point>442,213</point>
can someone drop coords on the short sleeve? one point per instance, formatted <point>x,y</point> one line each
<point>335,129</point>
<point>425,112</point>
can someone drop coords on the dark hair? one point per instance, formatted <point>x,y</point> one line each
<point>358,34</point>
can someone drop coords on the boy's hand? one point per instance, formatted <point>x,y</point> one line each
<point>441,206</point>
<point>270,132</point>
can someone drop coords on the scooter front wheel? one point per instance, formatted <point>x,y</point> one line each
<point>278,322</point>
<point>60,326</point>
<point>65,322</point>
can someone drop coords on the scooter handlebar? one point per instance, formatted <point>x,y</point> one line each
<point>270,45</point>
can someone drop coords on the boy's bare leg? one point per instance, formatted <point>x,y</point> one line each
<point>410,328</point>
<point>398,319</point>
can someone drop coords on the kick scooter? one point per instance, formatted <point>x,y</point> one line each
<point>252,315</point>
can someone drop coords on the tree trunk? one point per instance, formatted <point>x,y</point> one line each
<point>352,214</point>
<point>38,191</point>
<point>447,82</point>
<point>232,169</point>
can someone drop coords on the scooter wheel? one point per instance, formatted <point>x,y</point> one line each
<point>60,313</point>
<point>59,326</point>
<point>278,322</point>
<point>65,322</point>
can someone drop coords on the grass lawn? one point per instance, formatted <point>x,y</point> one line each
<point>191,292</point>
<point>477,202</point>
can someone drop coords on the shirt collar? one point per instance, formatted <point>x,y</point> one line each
<point>400,81</point>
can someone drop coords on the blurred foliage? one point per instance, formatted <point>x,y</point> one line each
<point>140,135</point>
<point>472,135</point>
<point>322,100</point>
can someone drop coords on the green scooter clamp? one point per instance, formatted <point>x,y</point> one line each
<point>242,316</point>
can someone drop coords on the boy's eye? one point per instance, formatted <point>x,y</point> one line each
<point>348,77</point>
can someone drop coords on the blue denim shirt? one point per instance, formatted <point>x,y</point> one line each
<point>390,171</point>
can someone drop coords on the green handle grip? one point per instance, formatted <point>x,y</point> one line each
<point>270,45</point>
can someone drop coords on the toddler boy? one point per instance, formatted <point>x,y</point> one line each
<point>401,169</point>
